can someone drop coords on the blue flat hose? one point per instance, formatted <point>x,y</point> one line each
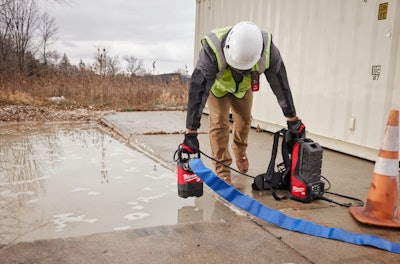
<point>277,218</point>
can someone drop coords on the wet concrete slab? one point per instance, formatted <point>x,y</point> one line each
<point>226,238</point>
<point>347,175</point>
<point>149,123</point>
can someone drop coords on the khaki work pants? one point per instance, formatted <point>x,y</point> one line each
<point>220,128</point>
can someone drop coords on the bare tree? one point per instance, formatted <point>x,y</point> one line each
<point>112,67</point>
<point>53,56</point>
<point>100,61</point>
<point>48,30</point>
<point>134,65</point>
<point>7,58</point>
<point>21,17</point>
<point>105,64</point>
<point>81,64</point>
<point>19,21</point>
<point>64,64</point>
<point>182,71</point>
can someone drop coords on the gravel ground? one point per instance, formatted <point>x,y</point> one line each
<point>16,113</point>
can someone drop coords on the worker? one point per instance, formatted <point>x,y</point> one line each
<point>231,59</point>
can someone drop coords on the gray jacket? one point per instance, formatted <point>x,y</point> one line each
<point>204,75</point>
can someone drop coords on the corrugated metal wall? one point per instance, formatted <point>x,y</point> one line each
<point>343,64</point>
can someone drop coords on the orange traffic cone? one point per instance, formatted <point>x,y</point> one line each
<point>381,206</point>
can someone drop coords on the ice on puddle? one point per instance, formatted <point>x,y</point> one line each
<point>148,199</point>
<point>136,206</point>
<point>121,228</point>
<point>79,189</point>
<point>136,216</point>
<point>161,176</point>
<point>132,169</point>
<point>62,220</point>
<point>31,201</point>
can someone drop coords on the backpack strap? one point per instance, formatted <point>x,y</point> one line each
<point>286,150</point>
<point>283,173</point>
<point>274,180</point>
<point>271,166</point>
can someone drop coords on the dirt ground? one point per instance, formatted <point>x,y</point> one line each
<point>17,113</point>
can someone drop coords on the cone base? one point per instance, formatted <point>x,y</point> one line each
<point>360,215</point>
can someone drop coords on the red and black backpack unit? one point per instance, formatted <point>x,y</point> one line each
<point>299,172</point>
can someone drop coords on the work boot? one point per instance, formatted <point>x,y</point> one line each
<point>242,162</point>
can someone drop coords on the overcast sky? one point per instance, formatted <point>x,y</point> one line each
<point>151,30</point>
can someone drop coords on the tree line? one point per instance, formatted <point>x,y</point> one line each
<point>32,71</point>
<point>25,33</point>
<point>27,37</point>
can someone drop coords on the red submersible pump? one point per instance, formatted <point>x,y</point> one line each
<point>189,184</point>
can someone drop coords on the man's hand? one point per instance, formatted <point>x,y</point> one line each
<point>297,128</point>
<point>192,142</point>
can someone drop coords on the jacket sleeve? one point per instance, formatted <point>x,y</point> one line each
<point>277,78</point>
<point>202,79</point>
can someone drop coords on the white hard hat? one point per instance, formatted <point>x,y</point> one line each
<point>243,45</point>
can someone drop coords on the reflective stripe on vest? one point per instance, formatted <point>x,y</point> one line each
<point>224,82</point>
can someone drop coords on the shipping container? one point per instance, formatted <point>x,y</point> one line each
<point>342,59</point>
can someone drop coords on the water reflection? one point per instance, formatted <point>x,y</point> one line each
<point>58,181</point>
<point>21,178</point>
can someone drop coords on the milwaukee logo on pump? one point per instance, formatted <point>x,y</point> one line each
<point>190,177</point>
<point>298,190</point>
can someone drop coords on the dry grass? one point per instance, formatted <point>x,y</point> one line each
<point>87,89</point>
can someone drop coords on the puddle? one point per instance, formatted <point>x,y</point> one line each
<point>60,181</point>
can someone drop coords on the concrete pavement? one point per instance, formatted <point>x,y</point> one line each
<point>230,238</point>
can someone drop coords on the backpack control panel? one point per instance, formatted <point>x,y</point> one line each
<point>306,184</point>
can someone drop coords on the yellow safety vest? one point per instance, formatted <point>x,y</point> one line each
<point>224,82</point>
